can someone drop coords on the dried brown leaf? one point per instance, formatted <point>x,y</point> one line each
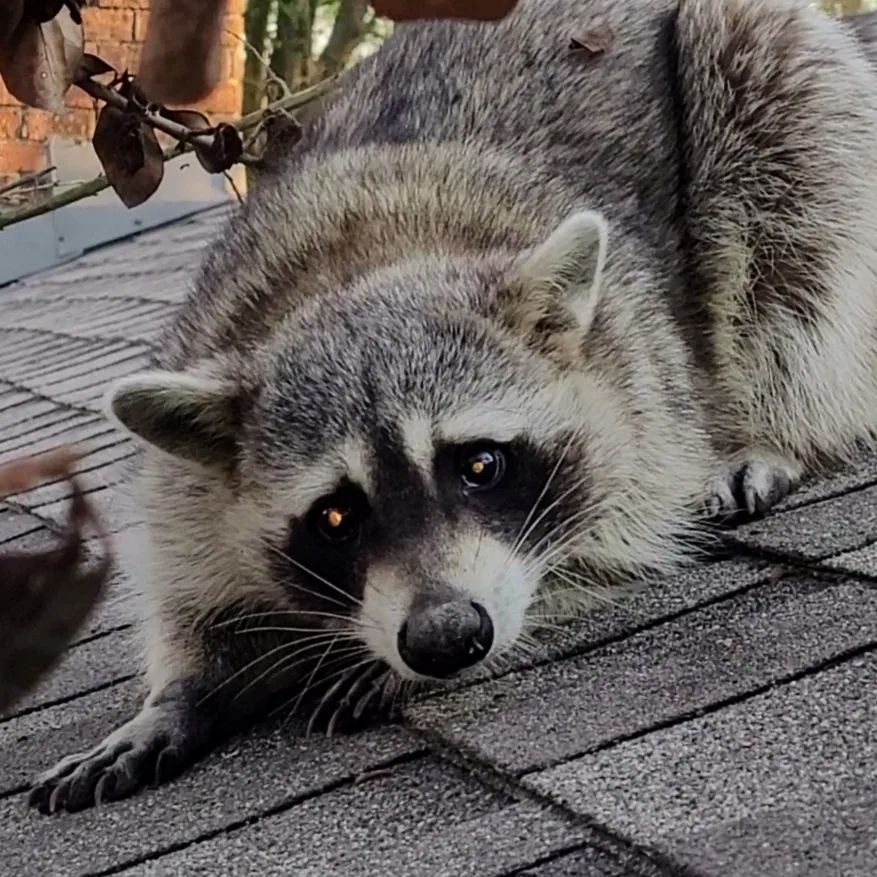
<point>468,10</point>
<point>43,10</point>
<point>132,91</point>
<point>225,149</point>
<point>10,18</point>
<point>42,61</point>
<point>596,39</point>
<point>92,65</point>
<point>130,155</point>
<point>46,598</point>
<point>29,472</point>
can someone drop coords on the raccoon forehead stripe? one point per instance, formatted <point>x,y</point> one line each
<point>501,422</point>
<point>317,478</point>
<point>417,437</point>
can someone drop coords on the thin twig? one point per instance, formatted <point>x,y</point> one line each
<point>25,179</point>
<point>98,184</point>
<point>149,114</point>
<point>230,180</point>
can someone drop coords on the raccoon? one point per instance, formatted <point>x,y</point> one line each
<point>527,309</point>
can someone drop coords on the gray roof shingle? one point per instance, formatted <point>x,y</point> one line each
<point>720,724</point>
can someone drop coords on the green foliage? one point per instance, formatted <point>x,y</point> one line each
<point>292,44</point>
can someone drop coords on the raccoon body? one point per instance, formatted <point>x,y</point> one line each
<point>526,306</point>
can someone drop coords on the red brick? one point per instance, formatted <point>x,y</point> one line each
<point>141,23</point>
<point>227,97</point>
<point>78,99</point>
<point>6,99</point>
<point>123,56</point>
<point>233,61</point>
<point>75,125</point>
<point>233,29</point>
<point>22,157</point>
<point>10,122</point>
<point>108,25</point>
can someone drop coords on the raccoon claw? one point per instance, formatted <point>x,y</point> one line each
<point>153,748</point>
<point>750,488</point>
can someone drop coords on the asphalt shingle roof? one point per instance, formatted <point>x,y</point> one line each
<point>720,724</point>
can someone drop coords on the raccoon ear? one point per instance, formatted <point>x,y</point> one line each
<point>190,417</point>
<point>568,266</point>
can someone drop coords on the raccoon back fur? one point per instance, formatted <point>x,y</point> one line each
<point>510,323</point>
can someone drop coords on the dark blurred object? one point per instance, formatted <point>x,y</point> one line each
<point>41,50</point>
<point>182,54</point>
<point>46,598</point>
<point>468,10</point>
<point>181,60</point>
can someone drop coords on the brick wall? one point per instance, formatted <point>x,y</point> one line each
<point>114,29</point>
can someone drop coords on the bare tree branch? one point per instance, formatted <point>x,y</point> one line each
<point>246,123</point>
<point>347,32</point>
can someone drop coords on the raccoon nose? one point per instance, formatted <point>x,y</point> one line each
<point>441,639</point>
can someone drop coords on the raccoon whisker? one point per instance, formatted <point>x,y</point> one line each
<point>477,549</point>
<point>354,672</point>
<point>400,690</point>
<point>543,616</point>
<point>392,684</point>
<point>344,703</point>
<point>299,645</point>
<point>280,628</point>
<point>310,592</point>
<point>310,680</point>
<point>353,600</point>
<point>568,536</point>
<point>318,614</point>
<point>581,513</point>
<point>327,697</point>
<point>327,598</point>
<point>286,663</point>
<point>377,686</point>
<point>524,532</point>
<point>527,642</point>
<point>249,665</point>
<point>580,585</point>
<point>313,636</point>
<point>349,598</point>
<point>344,659</point>
<point>571,527</point>
<point>546,625</point>
<point>359,707</point>
<point>547,510</point>
<point>229,679</point>
<point>531,559</point>
<point>324,581</point>
<point>280,613</point>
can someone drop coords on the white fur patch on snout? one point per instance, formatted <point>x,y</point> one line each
<point>479,568</point>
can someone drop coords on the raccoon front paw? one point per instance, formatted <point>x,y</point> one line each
<point>748,488</point>
<point>153,748</point>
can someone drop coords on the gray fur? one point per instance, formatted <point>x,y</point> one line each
<point>654,268</point>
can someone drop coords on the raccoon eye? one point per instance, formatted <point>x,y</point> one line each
<point>482,468</point>
<point>337,518</point>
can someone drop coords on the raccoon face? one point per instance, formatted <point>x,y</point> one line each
<point>412,467</point>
